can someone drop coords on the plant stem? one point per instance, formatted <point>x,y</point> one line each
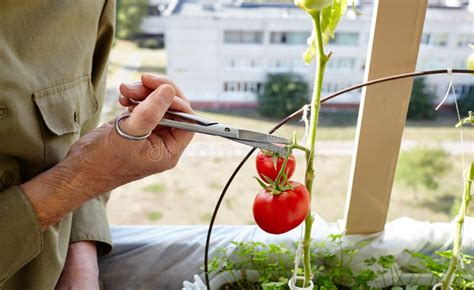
<point>315,104</point>
<point>466,198</point>
<point>282,172</point>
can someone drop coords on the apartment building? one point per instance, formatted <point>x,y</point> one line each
<point>220,52</point>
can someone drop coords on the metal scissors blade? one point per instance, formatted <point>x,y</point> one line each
<point>247,137</point>
<point>265,146</point>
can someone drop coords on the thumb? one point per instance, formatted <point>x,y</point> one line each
<point>146,116</point>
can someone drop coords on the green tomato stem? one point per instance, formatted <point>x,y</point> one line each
<point>282,169</point>
<point>321,61</point>
<point>282,173</point>
<point>466,199</point>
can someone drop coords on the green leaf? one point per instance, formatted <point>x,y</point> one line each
<point>310,53</point>
<point>357,11</point>
<point>269,181</point>
<point>330,17</point>
<point>261,183</point>
<point>275,161</point>
<point>335,237</point>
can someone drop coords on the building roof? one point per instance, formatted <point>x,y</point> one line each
<point>252,9</point>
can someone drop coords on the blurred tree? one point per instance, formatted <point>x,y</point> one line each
<point>129,16</point>
<point>283,93</point>
<point>422,168</point>
<point>421,101</point>
<point>466,102</point>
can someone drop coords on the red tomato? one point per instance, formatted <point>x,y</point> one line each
<point>278,214</point>
<point>266,166</point>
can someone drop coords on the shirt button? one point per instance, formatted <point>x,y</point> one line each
<point>7,178</point>
<point>3,112</point>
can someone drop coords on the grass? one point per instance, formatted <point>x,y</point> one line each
<point>155,188</point>
<point>215,186</point>
<point>205,218</point>
<point>155,216</point>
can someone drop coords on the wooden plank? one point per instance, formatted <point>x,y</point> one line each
<point>396,31</point>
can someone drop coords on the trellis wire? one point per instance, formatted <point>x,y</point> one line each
<point>297,113</point>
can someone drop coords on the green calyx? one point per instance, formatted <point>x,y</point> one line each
<point>313,5</point>
<point>467,120</point>
<point>275,188</point>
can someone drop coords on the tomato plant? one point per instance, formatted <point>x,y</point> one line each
<point>310,5</point>
<point>279,211</point>
<point>269,165</point>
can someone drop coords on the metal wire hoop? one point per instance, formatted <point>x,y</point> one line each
<point>290,117</point>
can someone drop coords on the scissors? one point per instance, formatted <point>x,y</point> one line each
<point>209,127</point>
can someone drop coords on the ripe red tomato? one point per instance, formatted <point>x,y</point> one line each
<point>266,166</point>
<point>278,214</point>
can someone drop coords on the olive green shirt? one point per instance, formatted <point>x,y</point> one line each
<point>53,60</point>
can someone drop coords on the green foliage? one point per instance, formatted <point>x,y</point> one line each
<point>155,188</point>
<point>421,101</point>
<point>422,167</point>
<point>466,102</point>
<point>283,93</point>
<point>155,216</point>
<point>330,17</point>
<point>129,16</point>
<point>438,264</point>
<point>274,263</point>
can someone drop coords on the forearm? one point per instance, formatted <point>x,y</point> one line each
<point>56,192</point>
<point>83,254</point>
<point>81,270</point>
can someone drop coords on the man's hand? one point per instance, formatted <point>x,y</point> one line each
<point>80,271</point>
<point>102,160</point>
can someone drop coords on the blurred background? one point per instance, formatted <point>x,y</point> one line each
<point>240,62</point>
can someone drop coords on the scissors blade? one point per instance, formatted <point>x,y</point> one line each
<point>262,145</point>
<point>260,137</point>
<point>215,130</point>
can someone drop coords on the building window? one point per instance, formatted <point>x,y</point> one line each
<point>463,89</point>
<point>431,63</point>
<point>242,63</point>
<point>242,87</point>
<point>281,64</point>
<point>460,64</point>
<point>342,64</point>
<point>297,37</point>
<point>345,38</point>
<point>237,36</point>
<point>330,87</point>
<point>465,40</point>
<point>435,39</point>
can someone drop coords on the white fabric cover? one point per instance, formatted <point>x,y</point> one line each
<point>162,257</point>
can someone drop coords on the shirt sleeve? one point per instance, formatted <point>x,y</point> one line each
<point>21,238</point>
<point>89,222</point>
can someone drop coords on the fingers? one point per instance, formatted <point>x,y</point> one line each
<point>135,91</point>
<point>146,116</point>
<point>181,105</point>
<point>139,91</point>
<point>151,81</point>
